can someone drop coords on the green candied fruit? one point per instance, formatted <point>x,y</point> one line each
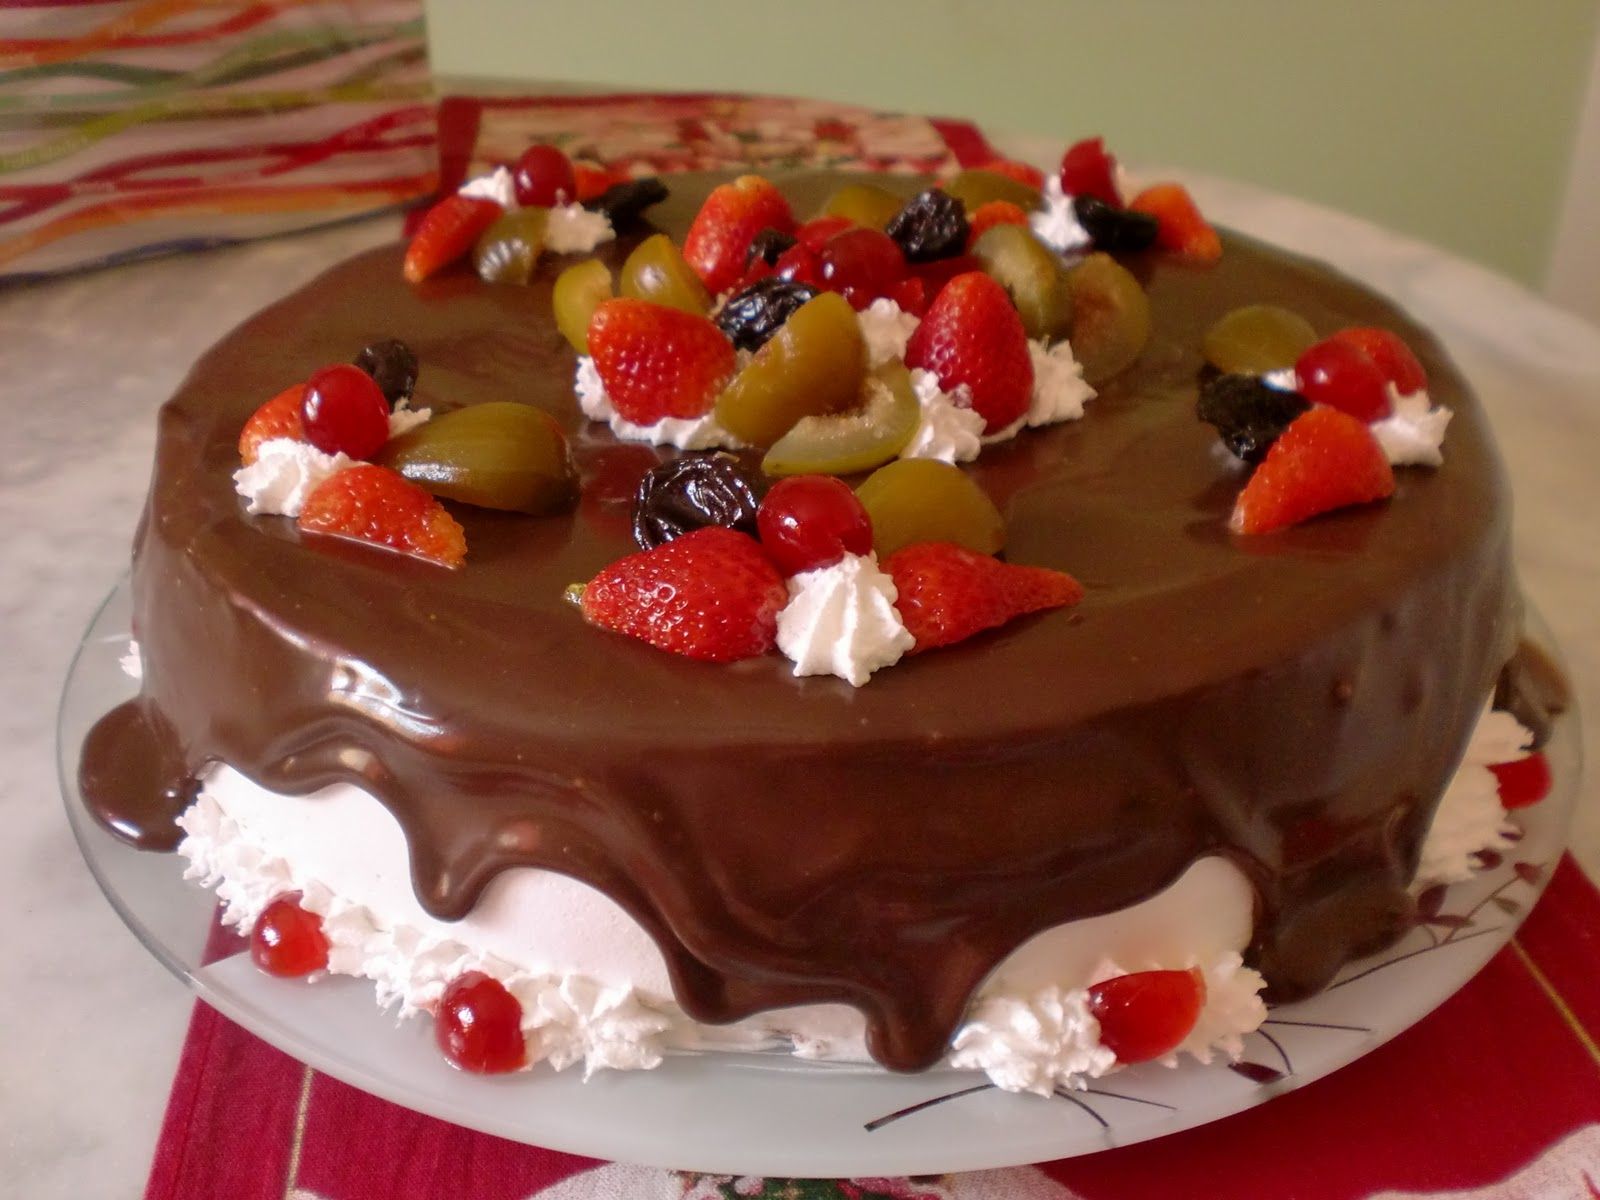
<point>858,440</point>
<point>1256,339</point>
<point>915,500</point>
<point>507,251</point>
<point>657,272</point>
<point>975,188</point>
<point>499,455</point>
<point>578,291</point>
<point>1110,317</point>
<point>1032,276</point>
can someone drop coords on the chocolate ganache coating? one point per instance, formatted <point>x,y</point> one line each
<point>1295,701</point>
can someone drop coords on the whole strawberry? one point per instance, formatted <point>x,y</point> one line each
<point>972,335</point>
<point>711,594</point>
<point>657,361</point>
<point>1325,460</point>
<point>382,508</point>
<point>719,238</point>
<point>948,593</point>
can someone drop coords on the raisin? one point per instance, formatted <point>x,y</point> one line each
<point>752,316</point>
<point>691,492</point>
<point>1249,414</point>
<point>624,203</point>
<point>392,365</point>
<point>767,246</point>
<point>932,225</point>
<point>1112,229</point>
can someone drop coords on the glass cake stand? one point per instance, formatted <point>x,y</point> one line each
<point>774,1115</point>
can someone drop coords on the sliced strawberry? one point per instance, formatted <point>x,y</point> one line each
<point>1179,226</point>
<point>657,361</point>
<point>592,179</point>
<point>972,335</point>
<point>277,418</point>
<point>711,594</point>
<point>1524,782</point>
<point>447,232</point>
<point>1088,170</point>
<point>1148,1013</point>
<point>948,592</point>
<point>378,506</point>
<point>1020,171</point>
<point>990,214</point>
<point>1389,354</point>
<point>1325,460</point>
<point>719,238</point>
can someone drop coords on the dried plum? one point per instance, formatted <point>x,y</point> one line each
<point>767,246</point>
<point>392,365</point>
<point>1249,414</point>
<point>624,203</point>
<point>752,316</point>
<point>691,492</point>
<point>1112,229</point>
<point>932,225</point>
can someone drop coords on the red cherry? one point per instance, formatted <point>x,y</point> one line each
<point>1335,373</point>
<point>1524,782</point>
<point>1087,170</point>
<point>544,177</point>
<point>1148,1013</point>
<point>344,409</point>
<point>479,1025</point>
<point>1391,356</point>
<point>287,940</point>
<point>816,232</point>
<point>799,263</point>
<point>811,521</point>
<point>863,264</point>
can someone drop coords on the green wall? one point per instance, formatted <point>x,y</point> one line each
<point>1448,119</point>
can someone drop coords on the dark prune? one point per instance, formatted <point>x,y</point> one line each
<point>1249,414</point>
<point>1112,229</point>
<point>392,365</point>
<point>767,246</point>
<point>752,316</point>
<point>932,225</point>
<point>624,203</point>
<point>692,492</point>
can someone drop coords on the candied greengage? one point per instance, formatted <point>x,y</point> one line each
<point>1256,339</point>
<point>977,187</point>
<point>865,204</point>
<point>932,225</point>
<point>656,271</point>
<point>1249,414</point>
<point>915,500</point>
<point>578,291</point>
<point>508,250</point>
<point>1032,276</point>
<point>691,492</point>
<point>865,437</point>
<point>498,455</point>
<point>1110,317</point>
<point>393,367</point>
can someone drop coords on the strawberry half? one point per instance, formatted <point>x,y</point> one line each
<point>277,418</point>
<point>1088,170</point>
<point>378,506</point>
<point>972,335</point>
<point>719,238</point>
<point>1325,460</point>
<point>657,361</point>
<point>447,232</point>
<point>711,594</point>
<point>948,593</point>
<point>1180,228</point>
<point>1146,1014</point>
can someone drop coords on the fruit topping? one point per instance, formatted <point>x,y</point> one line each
<point>986,216</point>
<point>656,361</point>
<point>1112,229</point>
<point>393,367</point>
<point>1087,170</point>
<point>277,418</point>
<point>288,941</point>
<point>863,203</point>
<point>543,177</point>
<point>1032,277</point>
<point>711,594</point>
<point>1340,375</point>
<point>923,500</point>
<point>1256,339</point>
<point>816,232</point>
<point>931,225</point>
<point>1147,1014</point>
<point>813,365</point>
<point>1524,782</point>
<point>1249,415</point>
<point>948,592</point>
<point>718,242</point>
<point>1110,317</point>
<point>578,291</point>
<point>376,505</point>
<point>1325,460</point>
<point>863,265</point>
<point>446,233</point>
<point>808,522</point>
<point>768,247</point>
<point>752,316</point>
<point>507,251</point>
<point>655,271</point>
<point>858,440</point>
<point>624,204</point>
<point>343,411</point>
<point>972,336</point>
<point>496,455</point>
<point>800,263</point>
<point>692,492</point>
<point>478,1025</point>
<point>976,188</point>
<point>1390,355</point>
<point>1181,228</point>
<point>1020,171</point>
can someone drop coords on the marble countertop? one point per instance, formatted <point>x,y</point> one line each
<point>91,1023</point>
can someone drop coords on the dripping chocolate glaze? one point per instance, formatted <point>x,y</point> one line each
<point>1295,701</point>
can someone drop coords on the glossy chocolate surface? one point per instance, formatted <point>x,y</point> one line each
<point>1294,700</point>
